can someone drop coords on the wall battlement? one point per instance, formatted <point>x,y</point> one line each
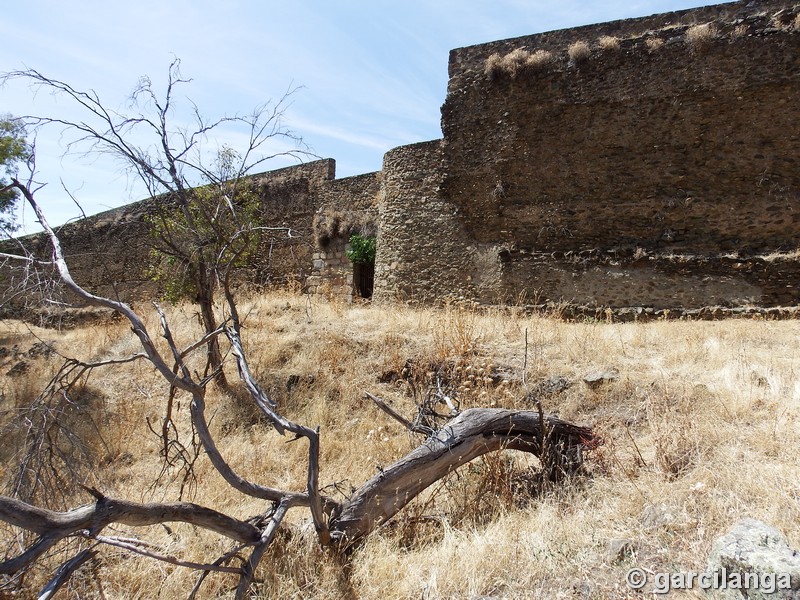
<point>645,162</point>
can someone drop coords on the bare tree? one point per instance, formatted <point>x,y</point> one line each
<point>338,524</point>
<point>204,220</point>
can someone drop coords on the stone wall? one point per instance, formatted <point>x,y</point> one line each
<point>347,206</point>
<point>109,253</point>
<point>648,162</point>
<point>654,171</point>
<point>423,252</point>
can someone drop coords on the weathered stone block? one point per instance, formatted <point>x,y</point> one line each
<point>755,549</point>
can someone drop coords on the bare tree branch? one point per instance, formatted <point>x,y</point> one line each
<point>29,556</point>
<point>64,572</point>
<point>30,259</point>
<point>138,326</point>
<point>94,517</point>
<point>384,406</point>
<point>136,549</point>
<point>249,569</point>
<point>281,424</point>
<point>173,164</point>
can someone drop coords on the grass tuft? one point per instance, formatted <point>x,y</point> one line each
<point>700,37</point>
<point>579,51</point>
<point>516,62</point>
<point>608,43</point>
<point>654,44</point>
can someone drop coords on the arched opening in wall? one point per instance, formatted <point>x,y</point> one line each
<point>363,279</point>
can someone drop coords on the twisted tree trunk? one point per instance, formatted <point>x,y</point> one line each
<point>471,434</point>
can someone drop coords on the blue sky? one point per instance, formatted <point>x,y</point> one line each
<point>373,74</point>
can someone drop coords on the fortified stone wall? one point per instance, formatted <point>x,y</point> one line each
<point>109,253</point>
<point>648,162</point>
<point>347,206</point>
<point>659,168</point>
<point>422,251</point>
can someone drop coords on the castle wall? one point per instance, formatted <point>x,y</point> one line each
<point>109,253</point>
<point>647,162</point>
<point>423,252</point>
<point>347,206</point>
<point>651,174</point>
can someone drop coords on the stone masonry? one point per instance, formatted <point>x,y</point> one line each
<point>331,273</point>
<point>651,162</point>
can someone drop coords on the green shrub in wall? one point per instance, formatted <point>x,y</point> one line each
<point>362,249</point>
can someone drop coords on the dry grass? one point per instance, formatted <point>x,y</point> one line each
<point>608,43</point>
<point>331,223</point>
<point>579,51</point>
<point>653,44</point>
<point>539,60</point>
<point>698,429</point>
<point>494,66</point>
<point>700,36</point>
<point>516,62</point>
<point>739,31</point>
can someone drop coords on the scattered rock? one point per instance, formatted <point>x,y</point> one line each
<point>503,374</point>
<point>39,349</point>
<point>619,549</point>
<point>657,515</point>
<point>42,349</point>
<point>753,547</point>
<point>552,386</point>
<point>597,378</point>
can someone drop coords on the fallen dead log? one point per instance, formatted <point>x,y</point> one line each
<point>471,434</point>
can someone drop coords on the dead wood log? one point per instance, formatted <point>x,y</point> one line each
<point>53,526</point>
<point>94,517</point>
<point>471,434</point>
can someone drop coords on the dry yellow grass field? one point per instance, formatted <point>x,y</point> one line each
<point>700,425</point>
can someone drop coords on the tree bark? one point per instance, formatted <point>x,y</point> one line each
<point>54,526</point>
<point>473,433</point>
<point>205,299</point>
<point>94,517</point>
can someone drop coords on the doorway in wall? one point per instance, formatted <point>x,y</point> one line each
<point>363,279</point>
<point>361,252</point>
